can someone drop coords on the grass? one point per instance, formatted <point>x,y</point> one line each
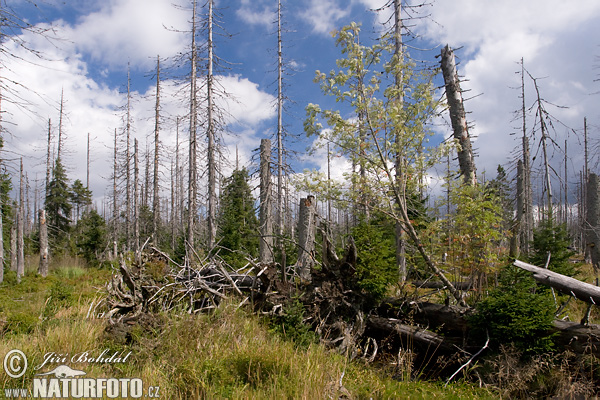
<point>231,353</point>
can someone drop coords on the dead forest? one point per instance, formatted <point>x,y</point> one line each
<point>373,265</point>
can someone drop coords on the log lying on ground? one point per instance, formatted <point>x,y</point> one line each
<point>442,285</point>
<point>581,290</point>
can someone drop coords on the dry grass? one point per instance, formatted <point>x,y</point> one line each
<point>229,354</point>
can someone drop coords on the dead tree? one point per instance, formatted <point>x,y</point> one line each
<point>400,159</point>
<point>570,286</point>
<point>458,117</point>
<point>115,203</point>
<point>525,209</point>
<point>136,201</point>
<point>20,229</point>
<point>306,237</point>
<point>593,220</point>
<point>13,247</point>
<point>43,226</point>
<point>266,217</point>
<point>156,199</point>
<point>193,174</point>
<point>211,135</point>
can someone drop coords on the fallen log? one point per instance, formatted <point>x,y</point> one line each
<point>580,339</point>
<point>564,284</point>
<point>442,285</point>
<point>409,334</point>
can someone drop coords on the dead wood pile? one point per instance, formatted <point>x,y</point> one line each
<point>436,336</point>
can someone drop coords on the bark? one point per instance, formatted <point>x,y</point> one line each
<point>210,132</point>
<point>193,186</point>
<point>13,248</point>
<point>48,157</point>
<point>266,217</point>
<point>128,166</point>
<point>44,255</point>
<point>136,205</point>
<point>526,226</point>
<point>115,204</point>
<point>593,220</point>
<point>280,203</point>
<point>564,284</point>
<point>60,126</point>
<point>458,117</point>
<point>156,199</point>
<point>400,177</point>
<point>306,237</point>
<point>20,229</point>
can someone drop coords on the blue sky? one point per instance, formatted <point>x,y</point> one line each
<point>98,40</point>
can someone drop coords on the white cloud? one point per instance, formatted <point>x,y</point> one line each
<point>257,13</point>
<point>324,15</point>
<point>557,41</point>
<point>127,30</point>
<point>250,105</point>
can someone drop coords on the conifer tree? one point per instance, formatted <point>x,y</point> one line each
<point>58,204</point>
<point>238,225</point>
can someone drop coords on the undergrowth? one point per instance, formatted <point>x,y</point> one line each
<point>231,353</point>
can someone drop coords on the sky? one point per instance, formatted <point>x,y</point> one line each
<point>90,46</point>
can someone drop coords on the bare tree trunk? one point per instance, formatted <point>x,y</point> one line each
<point>400,178</point>
<point>20,236</point>
<point>48,157</point>
<point>43,267</point>
<point>211,151</point>
<point>115,203</point>
<point>526,229</point>
<point>13,247</point>
<point>266,218</point>
<point>306,237</point>
<point>60,126</point>
<point>136,205</point>
<point>128,166</point>
<point>156,200</point>
<point>593,220</point>
<point>193,186</point>
<point>280,198</point>
<point>458,117</point>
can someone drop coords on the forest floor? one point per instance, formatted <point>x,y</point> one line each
<point>231,353</point>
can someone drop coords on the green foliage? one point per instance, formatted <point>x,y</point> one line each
<point>514,313</point>
<point>376,263</point>
<point>390,125</point>
<point>6,208</point>
<point>552,238</point>
<point>237,222</point>
<point>477,227</point>
<point>81,196</point>
<point>291,326</point>
<point>92,238</point>
<point>58,206</point>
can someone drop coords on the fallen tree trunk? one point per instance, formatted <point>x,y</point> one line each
<point>442,285</point>
<point>581,290</point>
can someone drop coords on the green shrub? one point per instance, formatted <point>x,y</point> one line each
<point>551,238</point>
<point>290,325</point>
<point>515,313</point>
<point>376,264</point>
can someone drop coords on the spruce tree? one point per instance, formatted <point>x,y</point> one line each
<point>58,204</point>
<point>238,226</point>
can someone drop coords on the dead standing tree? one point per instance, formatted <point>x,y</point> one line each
<point>306,237</point>
<point>265,213</point>
<point>593,220</point>
<point>458,117</point>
